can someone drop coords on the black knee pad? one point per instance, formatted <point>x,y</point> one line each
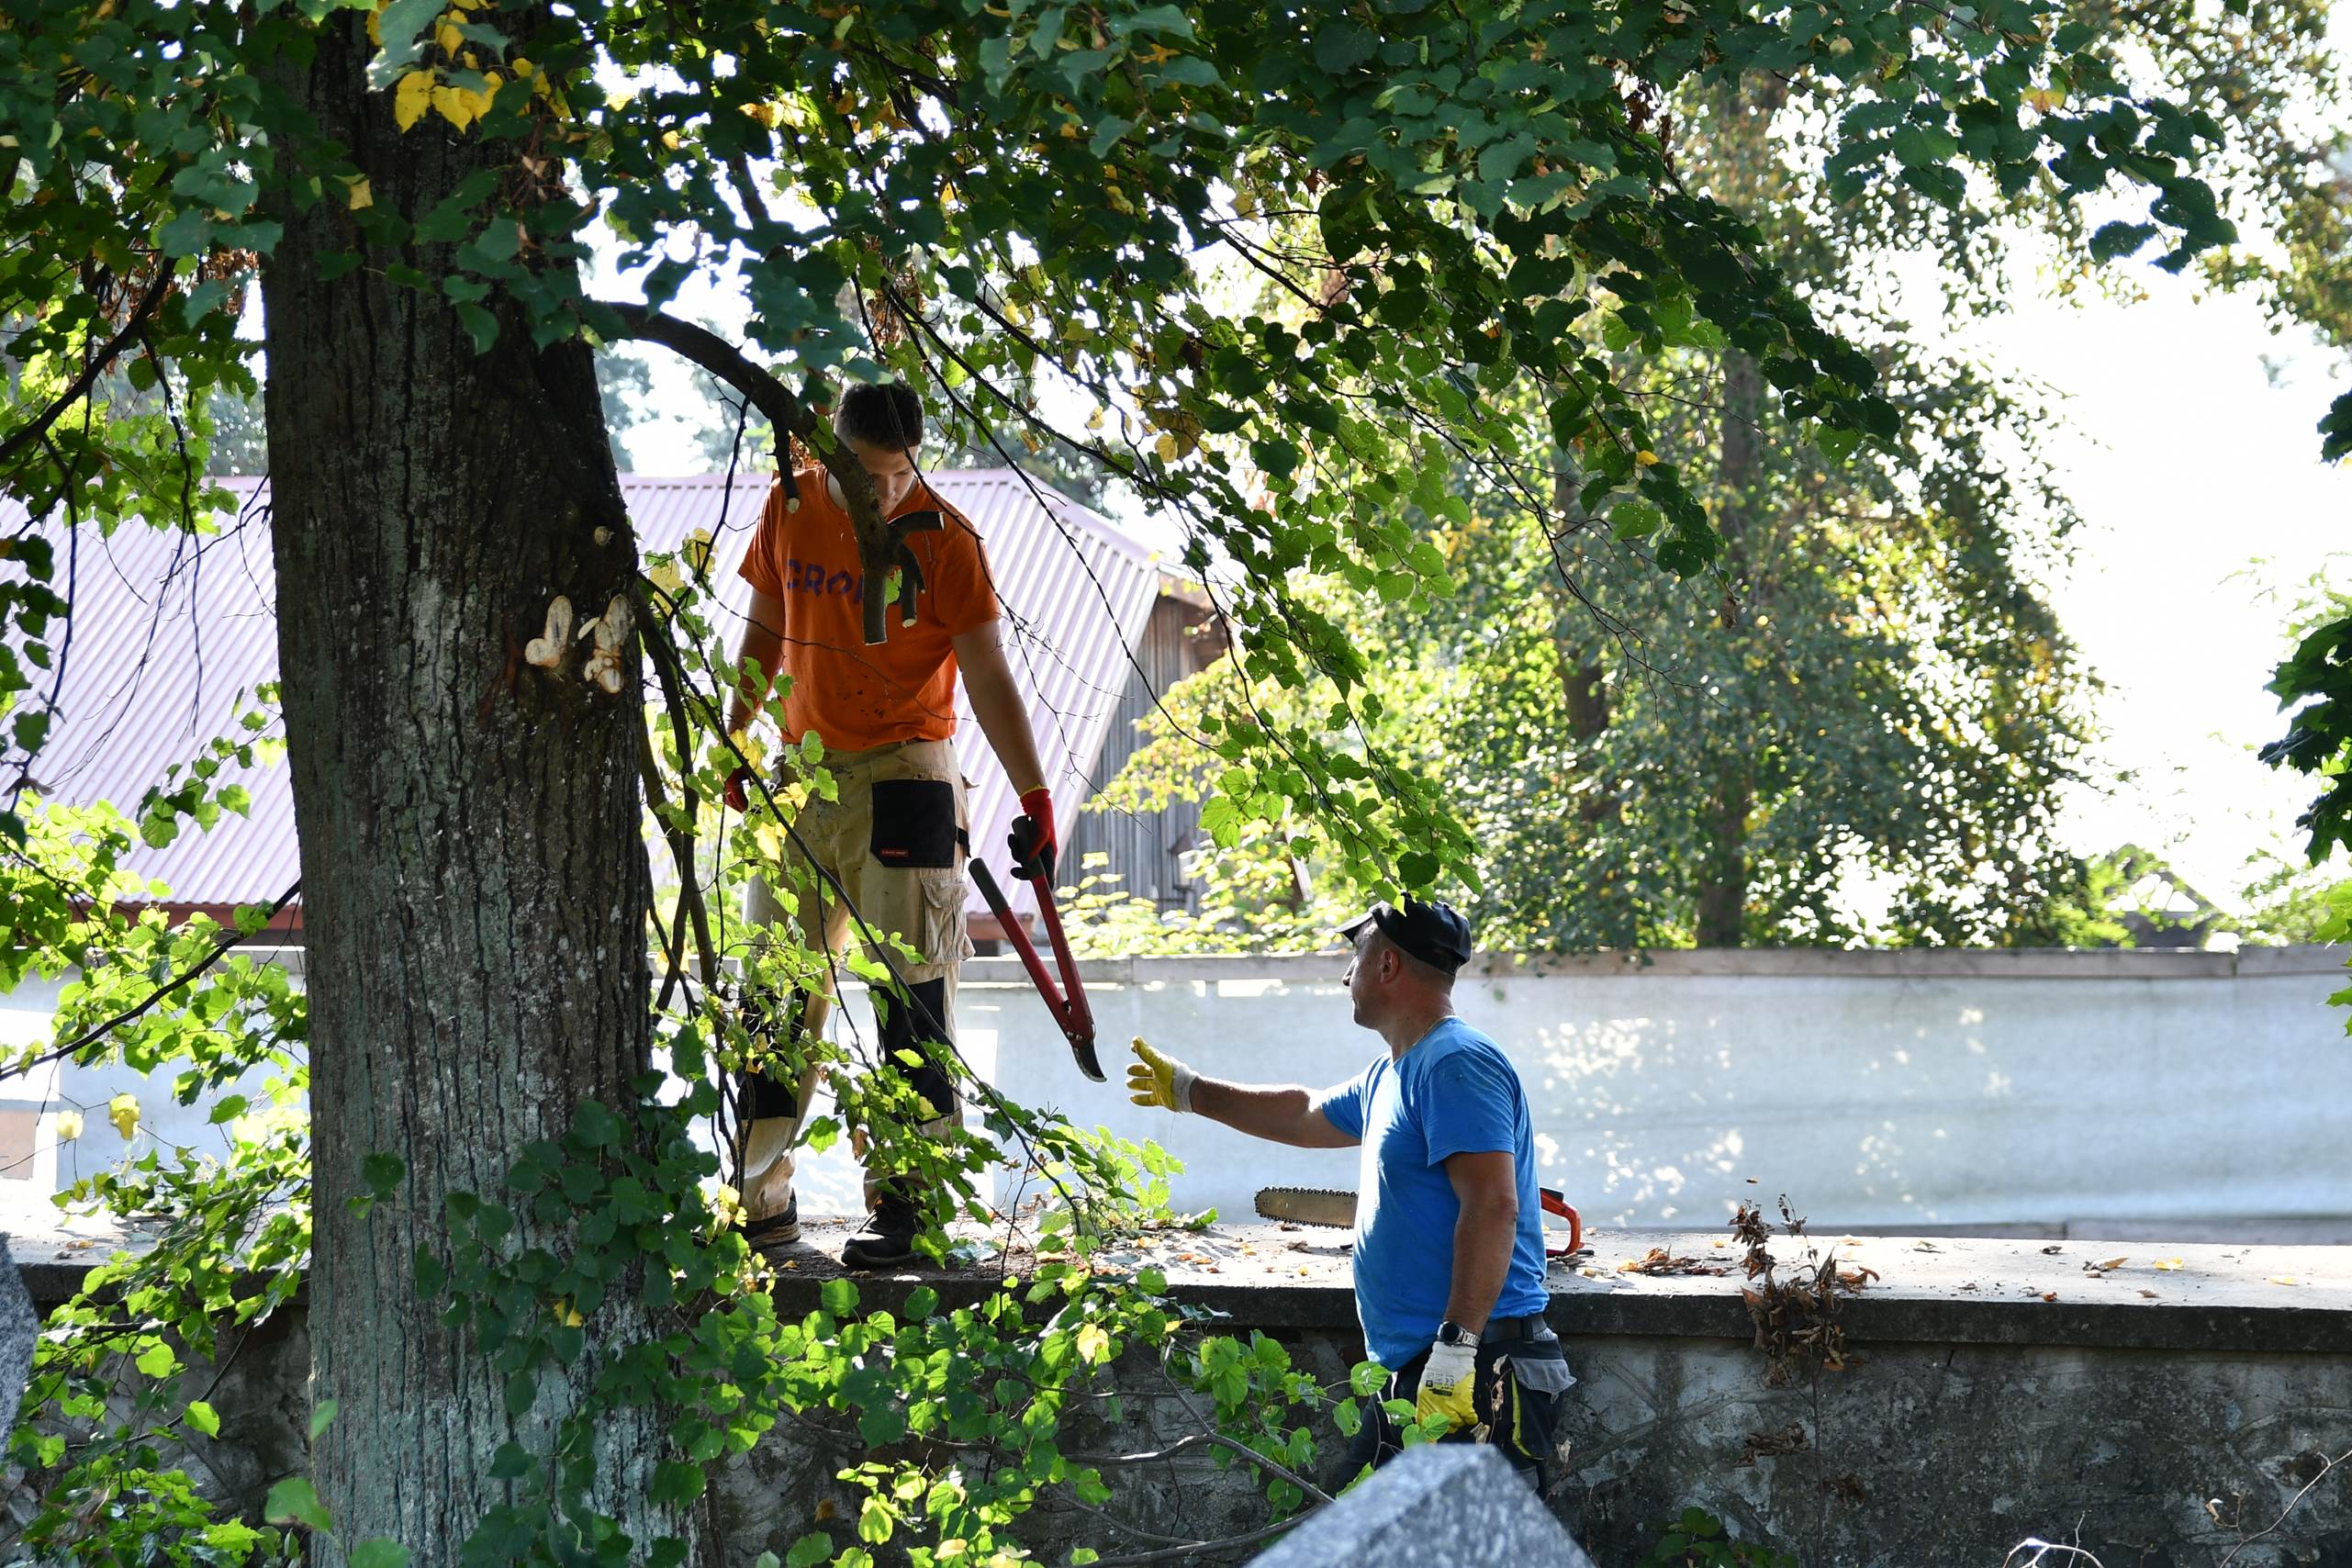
<point>918,1021</point>
<point>761,1096</point>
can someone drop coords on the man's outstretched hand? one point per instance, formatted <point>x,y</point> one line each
<point>1157,1079</point>
<point>1031,838</point>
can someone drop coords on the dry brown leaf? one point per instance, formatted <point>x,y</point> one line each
<point>2150,1295</point>
<point>2049,1296</point>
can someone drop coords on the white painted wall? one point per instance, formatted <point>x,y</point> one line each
<point>1876,1089</point>
<point>1883,1090</point>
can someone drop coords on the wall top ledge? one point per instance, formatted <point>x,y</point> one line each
<point>1759,963</point>
<point>1927,1290</point>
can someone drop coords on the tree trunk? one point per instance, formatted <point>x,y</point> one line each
<point>1723,886</point>
<point>475,880</point>
<point>1583,680</point>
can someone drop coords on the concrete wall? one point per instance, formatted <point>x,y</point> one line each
<point>2121,1093</point>
<point>1977,1415</point>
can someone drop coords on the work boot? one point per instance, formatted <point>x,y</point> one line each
<point>887,1239</point>
<point>779,1229</point>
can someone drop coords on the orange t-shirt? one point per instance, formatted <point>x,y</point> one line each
<point>853,696</point>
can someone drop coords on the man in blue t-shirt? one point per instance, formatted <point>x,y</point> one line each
<point>1449,1264</point>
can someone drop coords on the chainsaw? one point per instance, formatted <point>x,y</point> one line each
<point>1066,1002</point>
<point>1323,1206</point>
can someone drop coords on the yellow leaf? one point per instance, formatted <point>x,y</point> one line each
<point>1645,458</point>
<point>123,1112</point>
<point>2167,1264</point>
<point>567,1315</point>
<point>2285,1279</point>
<point>358,194</point>
<point>69,1126</point>
<point>455,106</point>
<point>449,38</point>
<point>411,99</point>
<point>1093,1344</point>
<point>1166,447</point>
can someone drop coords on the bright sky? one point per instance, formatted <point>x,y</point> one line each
<point>2204,496</point>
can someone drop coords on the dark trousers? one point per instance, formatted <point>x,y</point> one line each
<point>1521,1422</point>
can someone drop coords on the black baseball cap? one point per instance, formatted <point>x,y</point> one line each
<point>1433,933</point>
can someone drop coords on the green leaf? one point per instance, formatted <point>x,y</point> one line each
<point>322,1416</point>
<point>200,1416</point>
<point>1343,45</point>
<point>810,1550</point>
<point>293,1501</point>
<point>159,1361</point>
<point>839,1295</point>
<point>597,1125</point>
<point>380,1553</point>
<point>382,1173</point>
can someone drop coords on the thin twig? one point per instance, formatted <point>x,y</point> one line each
<point>27,434</point>
<point>219,951</point>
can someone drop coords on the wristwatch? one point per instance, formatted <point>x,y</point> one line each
<point>1453,1333</point>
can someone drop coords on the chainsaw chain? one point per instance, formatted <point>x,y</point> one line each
<point>1347,1195</point>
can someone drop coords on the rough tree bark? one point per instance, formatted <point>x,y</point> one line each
<point>475,881</point>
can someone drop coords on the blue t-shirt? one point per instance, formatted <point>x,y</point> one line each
<point>1454,1092</point>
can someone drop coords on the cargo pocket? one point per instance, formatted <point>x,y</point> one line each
<point>1542,1374</point>
<point>947,936</point>
<point>914,825</point>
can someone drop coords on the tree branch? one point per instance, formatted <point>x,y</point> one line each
<point>220,950</point>
<point>25,435</point>
<point>876,545</point>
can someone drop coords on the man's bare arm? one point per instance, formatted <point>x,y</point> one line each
<point>1487,1183</point>
<point>1280,1113</point>
<point>996,703</point>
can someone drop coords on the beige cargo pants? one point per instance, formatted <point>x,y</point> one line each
<point>894,839</point>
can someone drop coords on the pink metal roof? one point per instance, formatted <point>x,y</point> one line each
<point>168,632</point>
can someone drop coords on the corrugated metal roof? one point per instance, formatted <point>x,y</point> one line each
<point>169,631</point>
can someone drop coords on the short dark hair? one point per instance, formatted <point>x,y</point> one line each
<point>880,413</point>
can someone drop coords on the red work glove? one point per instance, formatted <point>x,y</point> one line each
<point>732,793</point>
<point>1031,838</point>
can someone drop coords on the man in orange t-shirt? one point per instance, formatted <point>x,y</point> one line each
<point>894,839</point>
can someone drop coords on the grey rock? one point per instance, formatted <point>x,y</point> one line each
<point>19,1331</point>
<point>1444,1503</point>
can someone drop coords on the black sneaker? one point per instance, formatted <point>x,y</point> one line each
<point>776,1229</point>
<point>887,1239</point>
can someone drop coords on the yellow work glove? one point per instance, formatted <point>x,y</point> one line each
<point>1157,1079</point>
<point>1449,1384</point>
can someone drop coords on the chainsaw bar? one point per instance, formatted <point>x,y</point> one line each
<point>1308,1205</point>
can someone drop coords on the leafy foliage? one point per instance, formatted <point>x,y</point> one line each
<point>1699,1539</point>
<point>1448,201</point>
